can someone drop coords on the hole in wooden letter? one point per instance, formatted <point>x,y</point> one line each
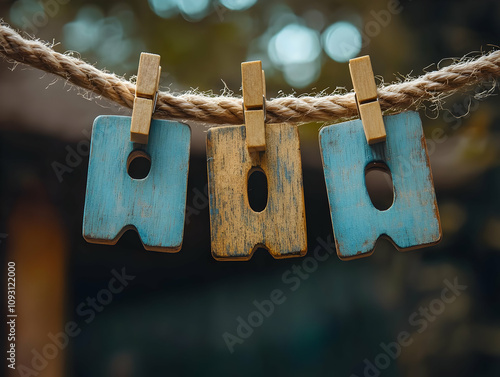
<point>257,189</point>
<point>138,164</point>
<point>378,180</point>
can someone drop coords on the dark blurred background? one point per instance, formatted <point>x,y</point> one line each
<point>174,317</point>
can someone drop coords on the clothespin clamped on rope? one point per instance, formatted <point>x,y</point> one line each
<point>254,105</point>
<point>412,219</point>
<point>367,99</point>
<point>146,93</point>
<point>152,202</point>
<point>234,154</point>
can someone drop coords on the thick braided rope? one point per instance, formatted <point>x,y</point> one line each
<point>228,110</point>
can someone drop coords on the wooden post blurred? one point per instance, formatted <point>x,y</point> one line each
<point>37,244</point>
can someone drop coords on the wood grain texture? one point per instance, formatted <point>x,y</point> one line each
<point>413,219</point>
<point>254,93</point>
<point>256,130</point>
<point>148,75</point>
<point>154,206</point>
<point>367,99</point>
<point>363,79</point>
<point>373,124</point>
<point>236,229</point>
<point>252,85</point>
<point>141,120</point>
<point>263,86</point>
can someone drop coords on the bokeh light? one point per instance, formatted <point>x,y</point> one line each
<point>164,8</point>
<point>342,41</point>
<point>294,44</point>
<point>21,10</point>
<point>193,9</point>
<point>301,75</point>
<point>82,35</point>
<point>296,50</point>
<point>238,4</point>
<point>110,38</point>
<point>281,15</point>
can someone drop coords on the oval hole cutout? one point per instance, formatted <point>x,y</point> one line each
<point>138,164</point>
<point>257,189</point>
<point>378,181</point>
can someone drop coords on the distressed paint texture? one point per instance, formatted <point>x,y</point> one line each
<point>235,228</point>
<point>413,219</point>
<point>154,206</point>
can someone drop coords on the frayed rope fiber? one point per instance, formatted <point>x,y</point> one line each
<point>409,94</point>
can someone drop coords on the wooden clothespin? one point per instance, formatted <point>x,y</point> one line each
<point>234,153</point>
<point>254,105</point>
<point>367,99</point>
<point>146,91</point>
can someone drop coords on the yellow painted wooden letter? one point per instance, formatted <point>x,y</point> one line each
<point>236,229</point>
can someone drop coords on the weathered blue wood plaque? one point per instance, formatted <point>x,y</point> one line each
<point>155,205</point>
<point>236,229</point>
<point>413,219</point>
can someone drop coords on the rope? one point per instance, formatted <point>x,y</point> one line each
<point>404,95</point>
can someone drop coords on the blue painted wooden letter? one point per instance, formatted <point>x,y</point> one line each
<point>155,205</point>
<point>413,219</point>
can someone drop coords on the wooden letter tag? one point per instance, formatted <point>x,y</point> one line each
<point>413,219</point>
<point>154,205</point>
<point>235,228</point>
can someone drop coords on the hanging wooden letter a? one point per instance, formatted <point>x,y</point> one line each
<point>413,219</point>
<point>119,198</point>
<point>236,229</point>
